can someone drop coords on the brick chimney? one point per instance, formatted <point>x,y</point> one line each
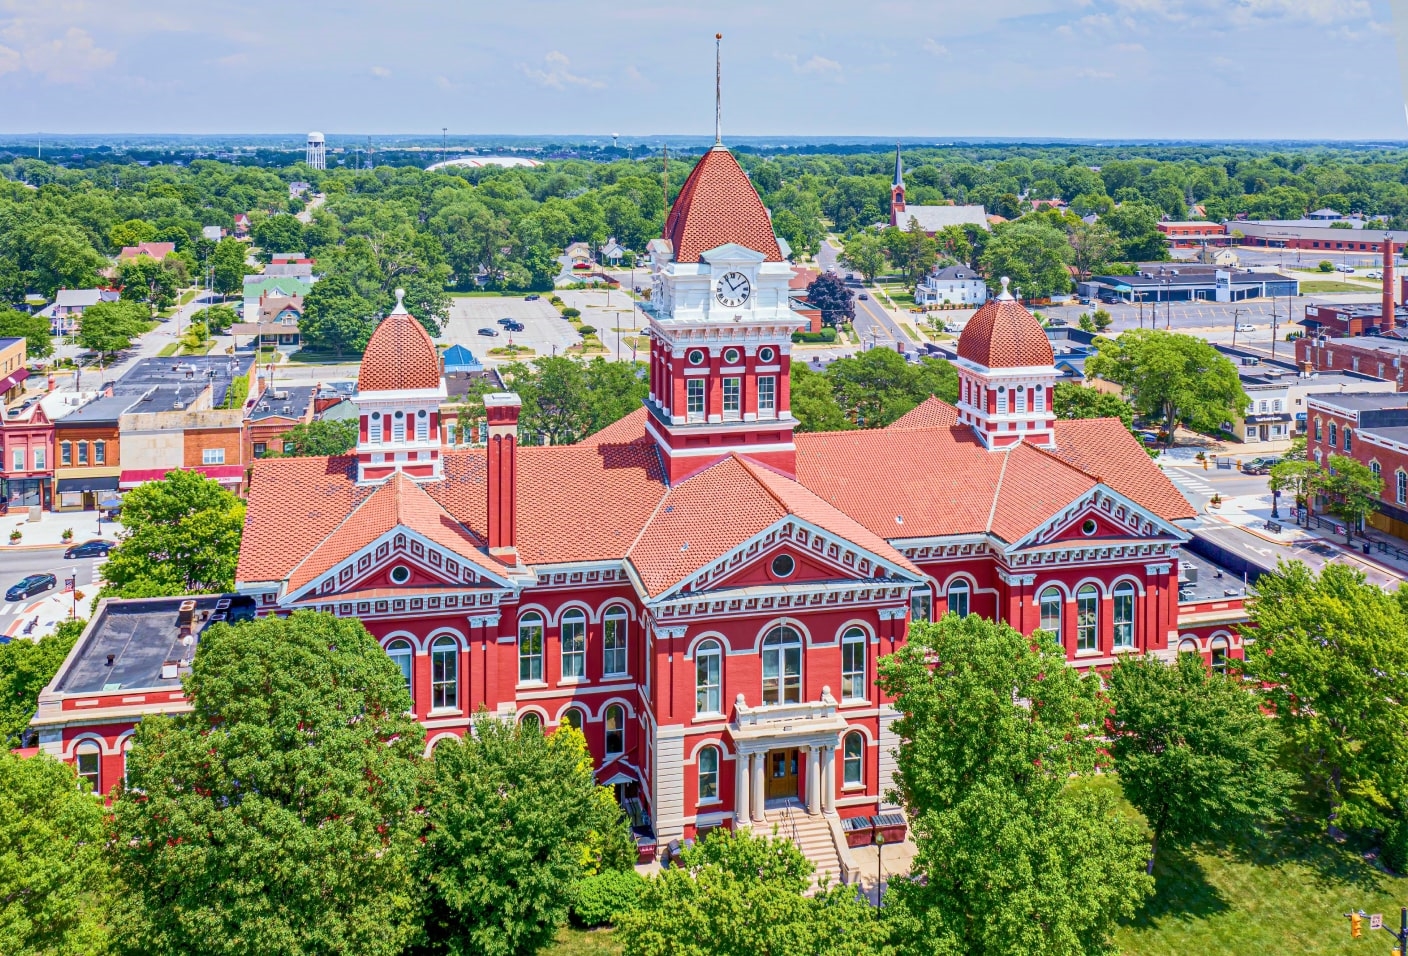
<point>1386,321</point>
<point>501,411</point>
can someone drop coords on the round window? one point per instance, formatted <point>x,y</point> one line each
<point>400,574</point>
<point>731,356</point>
<point>783,565</point>
<point>400,414</point>
<point>696,356</point>
<point>376,416</point>
<point>1088,526</point>
<point>765,354</point>
<point>420,414</point>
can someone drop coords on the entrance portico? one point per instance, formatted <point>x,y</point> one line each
<point>778,744</point>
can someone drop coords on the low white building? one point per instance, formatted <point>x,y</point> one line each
<point>954,285</point>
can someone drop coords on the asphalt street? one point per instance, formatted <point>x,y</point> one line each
<point>49,606</point>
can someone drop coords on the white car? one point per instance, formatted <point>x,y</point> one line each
<point>1347,270</point>
<point>1246,327</point>
<point>1375,273</point>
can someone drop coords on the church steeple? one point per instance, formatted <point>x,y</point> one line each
<point>897,189</point>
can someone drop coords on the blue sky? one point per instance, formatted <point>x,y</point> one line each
<point>1196,69</point>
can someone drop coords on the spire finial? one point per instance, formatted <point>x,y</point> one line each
<point>1004,294</point>
<point>899,169</point>
<point>400,294</point>
<point>718,90</point>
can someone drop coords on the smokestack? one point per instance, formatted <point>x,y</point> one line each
<point>1386,322</point>
<point>501,411</point>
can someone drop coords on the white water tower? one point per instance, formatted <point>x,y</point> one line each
<point>317,153</point>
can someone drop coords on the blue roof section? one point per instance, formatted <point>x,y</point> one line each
<point>460,359</point>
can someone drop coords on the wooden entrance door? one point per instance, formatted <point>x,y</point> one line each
<point>782,773</point>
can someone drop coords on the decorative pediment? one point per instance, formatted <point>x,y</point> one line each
<point>1102,514</point>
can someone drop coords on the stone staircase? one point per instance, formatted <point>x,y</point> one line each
<point>811,833</point>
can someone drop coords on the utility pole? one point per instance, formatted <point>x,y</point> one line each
<point>1274,315</point>
<point>444,142</point>
<point>1236,314</point>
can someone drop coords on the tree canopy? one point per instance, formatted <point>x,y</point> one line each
<point>1073,400</point>
<point>323,437</point>
<point>26,667</point>
<point>182,537</point>
<point>280,814</point>
<point>1350,488</point>
<point>828,292</point>
<point>111,326</point>
<point>1034,255</point>
<point>34,329</point>
<point>565,399</point>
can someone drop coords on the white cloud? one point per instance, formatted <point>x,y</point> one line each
<point>59,55</point>
<point>444,83</point>
<point>817,64</point>
<point>933,46</point>
<point>380,71</point>
<point>558,74</point>
<point>1092,74</point>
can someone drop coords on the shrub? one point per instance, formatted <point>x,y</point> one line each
<point>586,330</point>
<point>554,300</point>
<point>571,313</point>
<point>601,899</point>
<point>825,336</point>
<point>1326,265</point>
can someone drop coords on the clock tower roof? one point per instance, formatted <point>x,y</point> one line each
<point>718,206</point>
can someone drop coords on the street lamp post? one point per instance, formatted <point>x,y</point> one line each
<point>880,870</point>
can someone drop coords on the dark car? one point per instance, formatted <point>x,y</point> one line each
<point>514,326</point>
<point>506,322</point>
<point>532,298</point>
<point>34,584</point>
<point>863,297</point>
<point>97,548</point>
<point>1259,466</point>
<point>492,333</point>
<point>1149,438</point>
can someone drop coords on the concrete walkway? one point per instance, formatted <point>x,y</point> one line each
<point>48,531</point>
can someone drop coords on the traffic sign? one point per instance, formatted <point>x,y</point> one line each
<point>1376,921</point>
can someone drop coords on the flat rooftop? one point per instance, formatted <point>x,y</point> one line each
<point>1362,401</point>
<point>186,370</point>
<point>1252,375</point>
<point>103,410</point>
<point>293,404</point>
<point>1213,582</point>
<point>127,645</point>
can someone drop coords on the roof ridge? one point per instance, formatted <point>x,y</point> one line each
<point>1069,464</point>
<point>749,465</point>
<point>331,534</point>
<point>997,489</point>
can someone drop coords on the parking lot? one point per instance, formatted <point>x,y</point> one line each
<point>544,331</point>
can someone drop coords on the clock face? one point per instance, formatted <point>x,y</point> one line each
<point>733,289</point>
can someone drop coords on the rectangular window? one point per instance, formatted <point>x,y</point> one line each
<point>1402,496</point>
<point>65,453</point>
<point>39,459</point>
<point>733,399</point>
<point>694,393</point>
<point>212,456</point>
<point>422,426</point>
<point>530,652</point>
<point>1124,616</point>
<point>613,642</point>
<point>921,606</point>
<point>1348,443</point>
<point>1261,407</point>
<point>1038,399</point>
<point>853,667</point>
<point>100,452</point>
<point>260,449</point>
<point>1087,619</point>
<point>83,453</point>
<point>574,648</point>
<point>1277,405</point>
<point>1001,400</point>
<point>767,396</point>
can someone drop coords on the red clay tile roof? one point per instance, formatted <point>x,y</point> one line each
<point>622,431</point>
<point>718,205</point>
<point>931,413</point>
<point>1002,334</point>
<point>399,355</point>
<point>1103,447</point>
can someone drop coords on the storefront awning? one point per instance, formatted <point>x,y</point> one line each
<point>13,379</point>
<point>225,474</point>
<point>91,483</point>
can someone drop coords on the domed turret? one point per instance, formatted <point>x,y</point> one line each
<point>1003,334</point>
<point>400,354</point>
<point>1006,375</point>
<point>399,392</point>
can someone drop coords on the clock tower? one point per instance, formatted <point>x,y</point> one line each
<point>721,327</point>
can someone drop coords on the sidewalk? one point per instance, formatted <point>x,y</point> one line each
<point>48,531</point>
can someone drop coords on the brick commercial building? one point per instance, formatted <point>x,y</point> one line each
<point>1373,430</point>
<point>1379,356</point>
<point>1194,233</point>
<point>701,590</point>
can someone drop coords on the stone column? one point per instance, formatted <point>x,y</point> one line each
<point>759,772</point>
<point>813,780</point>
<point>740,790</point>
<point>828,779</point>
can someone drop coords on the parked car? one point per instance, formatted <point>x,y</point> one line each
<point>515,326</point>
<point>1149,438</point>
<point>505,322</point>
<point>533,297</point>
<point>492,333</point>
<point>30,586</point>
<point>97,548</point>
<point>1375,273</point>
<point>1245,327</point>
<point>1347,270</point>
<point>1259,466</point>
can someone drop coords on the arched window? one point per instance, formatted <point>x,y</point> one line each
<point>853,759</point>
<point>1051,601</point>
<point>782,666</point>
<point>1087,618</point>
<point>444,673</point>
<point>613,643</point>
<point>572,717</point>
<point>88,763</point>
<point>1374,467</point>
<point>615,730</point>
<point>1319,434</point>
<point>401,655</point>
<point>530,647</point>
<point>1124,614</point>
<point>853,664</point>
<point>708,678</point>
<point>531,721</point>
<point>574,645</point>
<point>709,775</point>
<point>1187,646</point>
<point>1333,440</point>
<point>1219,654</point>
<point>958,593</point>
<point>126,753</point>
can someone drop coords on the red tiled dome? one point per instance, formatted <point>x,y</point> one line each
<point>1002,334</point>
<point>400,355</point>
<point>719,205</point>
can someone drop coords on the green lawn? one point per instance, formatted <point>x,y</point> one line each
<point>577,942</point>
<point>169,349</point>
<point>1334,285</point>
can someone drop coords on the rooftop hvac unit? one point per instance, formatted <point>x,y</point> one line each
<point>1187,574</point>
<point>186,613</point>
<point>169,669</point>
<point>280,395</point>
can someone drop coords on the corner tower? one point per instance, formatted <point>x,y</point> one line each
<point>721,326</point>
<point>1006,375</point>
<point>897,190</point>
<point>399,392</point>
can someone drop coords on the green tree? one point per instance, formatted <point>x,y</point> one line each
<point>54,876</point>
<point>34,329</point>
<point>281,814</point>
<point>1332,652</point>
<point>26,667</point>
<point>911,250</point>
<point>1351,490</point>
<point>133,232</point>
<point>614,390</point>
<point>182,537</point>
<point>217,318</point>
<point>320,438</point>
<point>954,243</point>
<point>63,258</point>
<point>1073,400</point>
<point>1176,377</point>
<point>229,267</point>
<point>1014,854</point>
<point>1293,475</point>
<point>509,815</point>
<point>877,386</point>
<point>741,894</point>
<point>1092,245</point>
<point>1032,254</point>
<point>814,404</point>
<point>556,404</point>
<point>111,326</point>
<point>865,253</point>
<point>1135,226</point>
<point>828,292</point>
<point>1101,319</point>
<point>281,233</point>
<point>1194,751</point>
